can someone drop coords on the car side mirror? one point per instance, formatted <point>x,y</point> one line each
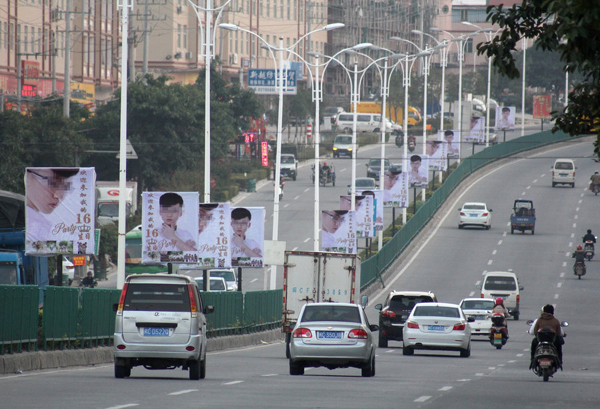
<point>364,300</point>
<point>374,327</point>
<point>115,307</point>
<point>209,309</point>
<point>379,307</point>
<point>521,288</point>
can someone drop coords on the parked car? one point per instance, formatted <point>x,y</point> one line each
<point>374,166</point>
<point>394,312</point>
<point>333,335</point>
<point>475,214</point>
<point>160,324</point>
<point>437,326</point>
<point>503,284</point>
<point>480,309</point>
<point>363,184</point>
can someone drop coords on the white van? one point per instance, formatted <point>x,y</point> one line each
<point>503,284</point>
<point>563,172</point>
<point>364,122</point>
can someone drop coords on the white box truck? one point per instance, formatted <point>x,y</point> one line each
<point>317,276</point>
<point>107,201</point>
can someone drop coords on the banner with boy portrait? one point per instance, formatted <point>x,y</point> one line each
<point>377,207</point>
<point>60,212</point>
<point>247,237</point>
<point>338,231</point>
<point>395,187</point>
<point>214,235</point>
<point>169,227</point>
<point>363,213</point>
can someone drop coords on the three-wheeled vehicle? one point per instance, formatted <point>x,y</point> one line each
<point>326,174</point>
<point>523,216</point>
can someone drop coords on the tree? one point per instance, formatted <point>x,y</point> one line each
<point>569,27</point>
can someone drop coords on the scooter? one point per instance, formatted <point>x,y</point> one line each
<point>579,269</point>
<point>545,359</point>
<point>595,188</point>
<point>588,248</point>
<point>498,331</point>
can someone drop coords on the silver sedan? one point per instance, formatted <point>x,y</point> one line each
<point>332,335</point>
<point>437,326</point>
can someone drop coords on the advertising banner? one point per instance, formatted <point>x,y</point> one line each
<point>60,214</point>
<point>363,215</point>
<point>169,227</point>
<point>247,236</point>
<point>418,173</point>
<point>214,235</point>
<point>542,106</point>
<point>395,187</point>
<point>505,118</point>
<point>477,131</point>
<point>264,81</point>
<point>437,152</point>
<point>338,231</point>
<point>452,140</point>
<point>377,207</point>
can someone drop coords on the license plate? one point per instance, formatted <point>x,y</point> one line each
<point>563,174</point>
<point>156,332</point>
<point>545,363</point>
<point>329,334</point>
<point>435,327</point>
<point>473,215</point>
<point>480,317</point>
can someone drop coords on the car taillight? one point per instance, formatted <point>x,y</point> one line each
<point>518,298</point>
<point>70,267</point>
<point>482,296</point>
<point>462,213</point>
<point>193,305</point>
<point>358,333</point>
<point>412,325</point>
<point>485,214</point>
<point>458,327</point>
<point>388,313</point>
<point>122,298</point>
<point>302,333</point>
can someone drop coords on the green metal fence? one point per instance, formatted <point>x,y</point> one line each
<point>372,268</point>
<point>19,306</point>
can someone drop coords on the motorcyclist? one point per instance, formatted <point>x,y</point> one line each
<point>547,320</point>
<point>595,179</point>
<point>589,237</point>
<point>89,280</point>
<point>579,255</point>
<point>500,308</point>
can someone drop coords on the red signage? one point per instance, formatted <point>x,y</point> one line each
<point>264,153</point>
<point>308,130</point>
<point>542,106</point>
<point>113,192</point>
<point>79,260</point>
<point>31,72</point>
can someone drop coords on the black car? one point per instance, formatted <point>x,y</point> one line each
<point>374,166</point>
<point>396,310</point>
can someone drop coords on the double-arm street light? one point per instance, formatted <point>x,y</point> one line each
<point>281,84</point>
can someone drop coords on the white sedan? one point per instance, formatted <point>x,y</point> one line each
<point>475,214</point>
<point>480,309</point>
<point>437,326</point>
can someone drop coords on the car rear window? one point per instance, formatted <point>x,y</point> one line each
<point>477,305</point>
<point>407,302</point>
<point>474,207</point>
<point>331,313</point>
<point>500,283</point>
<point>436,311</point>
<point>157,297</point>
<point>563,165</point>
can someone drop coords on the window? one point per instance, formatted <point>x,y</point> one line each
<point>500,283</point>
<point>268,8</point>
<point>274,8</point>
<point>185,36</point>
<point>288,9</point>
<point>178,35</point>
<point>25,40</point>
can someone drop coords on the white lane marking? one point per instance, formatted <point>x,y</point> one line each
<point>512,361</point>
<point>572,235</point>
<point>182,392</point>
<point>523,194</point>
<point>479,374</point>
<point>478,282</point>
<point>286,205</point>
<point>295,248</point>
<point>535,181</point>
<point>522,354</point>
<point>422,399</point>
<point>556,296</point>
<point>445,388</point>
<point>232,382</point>
<point>307,240</point>
<point>306,190</point>
<point>462,380</point>
<point>570,244</point>
<point>528,187</point>
<point>490,262</point>
<point>576,216</point>
<point>574,225</point>
<point>543,174</point>
<point>581,195</point>
<point>559,285</point>
<point>129,405</point>
<point>505,233</point>
<point>494,252</point>
<point>270,374</point>
<point>562,275</point>
<point>580,200</point>
<point>254,280</point>
<point>297,197</point>
<point>491,368</point>
<point>564,263</point>
<point>500,242</point>
<point>500,364</point>
<point>472,293</point>
<point>577,209</point>
<point>389,351</point>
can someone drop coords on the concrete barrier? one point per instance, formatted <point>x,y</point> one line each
<point>33,361</point>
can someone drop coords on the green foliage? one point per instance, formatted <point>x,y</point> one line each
<point>108,241</point>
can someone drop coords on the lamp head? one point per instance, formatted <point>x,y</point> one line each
<point>333,26</point>
<point>230,27</point>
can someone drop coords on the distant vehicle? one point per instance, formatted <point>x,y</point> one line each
<point>479,309</point>
<point>522,217</point>
<point>342,146</point>
<point>68,269</point>
<point>107,201</point>
<point>503,284</point>
<point>374,166</point>
<point>395,114</point>
<point>333,335</point>
<point>437,326</point>
<point>363,184</point>
<point>364,123</point>
<point>563,172</point>
<point>133,255</point>
<point>395,168</point>
<point>475,214</point>
<point>333,112</point>
<point>289,166</point>
<point>228,274</point>
<point>216,283</point>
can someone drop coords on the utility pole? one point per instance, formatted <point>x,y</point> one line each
<point>131,56</point>
<point>19,75</point>
<point>67,77</point>
<point>146,37</point>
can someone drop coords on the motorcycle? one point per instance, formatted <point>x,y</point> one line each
<point>545,359</point>
<point>588,248</point>
<point>411,143</point>
<point>579,269</point>
<point>595,188</point>
<point>92,285</point>
<point>498,332</point>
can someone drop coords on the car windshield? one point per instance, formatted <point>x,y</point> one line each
<point>436,311</point>
<point>343,139</point>
<point>287,159</point>
<point>341,313</point>
<point>157,297</point>
<point>407,302</point>
<point>226,274</point>
<point>500,283</point>
<point>364,183</point>
<point>377,162</point>
<point>473,207</point>
<point>477,305</point>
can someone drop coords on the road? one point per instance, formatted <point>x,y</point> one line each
<point>449,262</point>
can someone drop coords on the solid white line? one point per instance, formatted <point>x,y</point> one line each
<point>182,392</point>
<point>232,382</point>
<point>422,399</point>
<point>445,388</point>
<point>129,405</point>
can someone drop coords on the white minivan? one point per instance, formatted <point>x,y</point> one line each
<point>563,172</point>
<point>364,122</point>
<point>503,284</point>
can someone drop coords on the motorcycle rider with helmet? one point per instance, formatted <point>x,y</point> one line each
<point>547,320</point>
<point>579,256</point>
<point>500,308</point>
<point>595,179</point>
<point>589,237</point>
